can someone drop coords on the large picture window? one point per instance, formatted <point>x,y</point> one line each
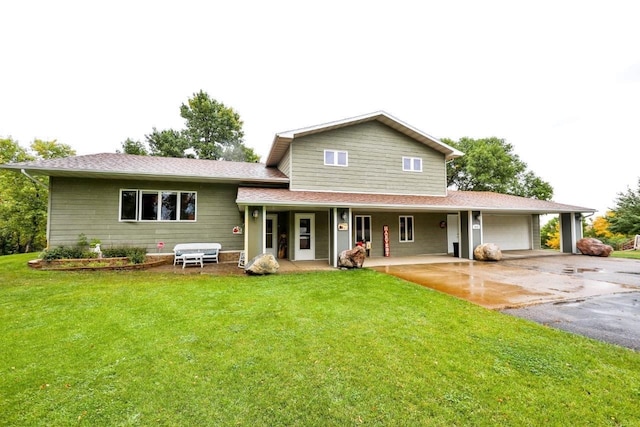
<point>406,229</point>
<point>154,205</point>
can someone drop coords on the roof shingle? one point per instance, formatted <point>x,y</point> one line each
<point>151,166</point>
<point>455,200</point>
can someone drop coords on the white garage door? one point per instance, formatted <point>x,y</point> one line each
<point>509,232</point>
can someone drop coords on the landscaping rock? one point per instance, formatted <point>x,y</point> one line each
<point>593,247</point>
<point>487,252</point>
<point>262,264</point>
<point>352,258</point>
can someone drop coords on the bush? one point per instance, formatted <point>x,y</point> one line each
<point>64,252</point>
<point>136,255</point>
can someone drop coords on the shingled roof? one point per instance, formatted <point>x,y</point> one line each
<point>453,201</point>
<point>115,165</point>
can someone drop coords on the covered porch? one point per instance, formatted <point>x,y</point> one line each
<point>317,226</point>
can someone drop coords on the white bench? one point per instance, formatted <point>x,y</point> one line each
<point>209,251</point>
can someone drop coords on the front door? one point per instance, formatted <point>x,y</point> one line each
<point>271,235</point>
<point>305,245</point>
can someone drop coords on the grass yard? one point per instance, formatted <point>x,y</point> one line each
<point>315,349</point>
<point>626,254</point>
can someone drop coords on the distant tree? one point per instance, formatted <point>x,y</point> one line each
<point>550,234</point>
<point>167,143</point>
<point>23,202</point>
<point>210,126</point>
<point>129,146</point>
<point>626,214</point>
<point>599,227</point>
<point>489,164</point>
<point>212,131</point>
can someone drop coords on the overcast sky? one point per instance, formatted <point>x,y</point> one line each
<point>560,80</point>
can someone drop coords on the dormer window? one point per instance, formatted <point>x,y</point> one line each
<point>412,164</point>
<point>335,158</point>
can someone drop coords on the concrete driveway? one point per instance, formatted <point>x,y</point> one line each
<point>592,296</point>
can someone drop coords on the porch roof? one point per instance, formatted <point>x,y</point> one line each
<point>453,201</point>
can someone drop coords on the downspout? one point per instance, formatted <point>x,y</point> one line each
<point>24,172</point>
<point>38,183</point>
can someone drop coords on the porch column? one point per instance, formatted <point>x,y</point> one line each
<point>470,232</point>
<point>253,231</point>
<point>570,232</point>
<point>340,238</point>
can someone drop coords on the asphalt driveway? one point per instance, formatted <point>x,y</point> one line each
<point>591,296</point>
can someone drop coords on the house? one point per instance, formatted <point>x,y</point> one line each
<point>371,179</point>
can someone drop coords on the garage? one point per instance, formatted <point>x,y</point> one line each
<point>509,232</point>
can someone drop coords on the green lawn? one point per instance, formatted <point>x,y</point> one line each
<point>315,349</point>
<point>626,254</point>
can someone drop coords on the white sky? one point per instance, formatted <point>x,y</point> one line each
<point>560,80</point>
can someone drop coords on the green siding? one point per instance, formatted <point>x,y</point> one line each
<point>374,164</point>
<point>91,206</point>
<point>429,238</point>
<point>285,164</point>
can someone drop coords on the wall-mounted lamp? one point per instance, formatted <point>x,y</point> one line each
<point>255,213</point>
<point>344,215</point>
<point>477,216</point>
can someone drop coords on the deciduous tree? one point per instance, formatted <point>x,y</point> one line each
<point>23,200</point>
<point>129,146</point>
<point>490,164</point>
<point>212,131</point>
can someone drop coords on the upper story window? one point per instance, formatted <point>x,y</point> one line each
<point>412,164</point>
<point>154,205</point>
<point>336,158</point>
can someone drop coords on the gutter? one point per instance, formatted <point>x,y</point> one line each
<point>24,172</point>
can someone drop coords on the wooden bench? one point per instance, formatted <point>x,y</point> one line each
<point>209,251</point>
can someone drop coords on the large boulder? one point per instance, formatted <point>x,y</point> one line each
<point>593,247</point>
<point>352,258</point>
<point>262,264</point>
<point>487,252</point>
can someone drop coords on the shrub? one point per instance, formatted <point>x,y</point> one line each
<point>65,252</point>
<point>136,255</point>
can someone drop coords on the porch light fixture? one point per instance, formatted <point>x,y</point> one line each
<point>343,215</point>
<point>255,213</point>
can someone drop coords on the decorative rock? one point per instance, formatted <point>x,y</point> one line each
<point>352,258</point>
<point>487,252</point>
<point>593,247</point>
<point>262,264</point>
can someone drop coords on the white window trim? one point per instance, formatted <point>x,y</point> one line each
<point>122,190</point>
<point>413,229</point>
<point>335,158</point>
<point>159,193</point>
<point>411,161</point>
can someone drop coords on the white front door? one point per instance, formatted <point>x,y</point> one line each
<point>271,235</point>
<point>305,239</point>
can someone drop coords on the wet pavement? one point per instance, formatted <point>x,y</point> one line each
<point>610,318</point>
<point>595,297</point>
